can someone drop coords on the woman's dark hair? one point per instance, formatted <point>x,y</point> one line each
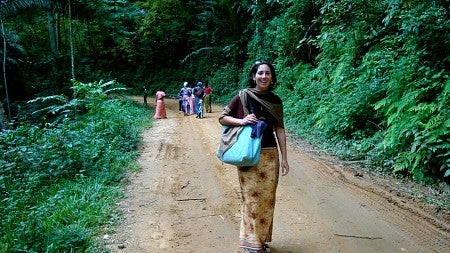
<point>254,69</point>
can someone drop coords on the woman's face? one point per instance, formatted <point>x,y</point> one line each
<point>263,77</point>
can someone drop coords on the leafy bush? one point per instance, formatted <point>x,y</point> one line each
<point>226,83</point>
<point>377,89</point>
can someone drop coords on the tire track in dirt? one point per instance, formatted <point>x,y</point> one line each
<point>404,214</point>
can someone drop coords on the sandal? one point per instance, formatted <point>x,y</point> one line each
<point>266,248</point>
<point>253,251</point>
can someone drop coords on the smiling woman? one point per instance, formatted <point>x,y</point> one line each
<point>258,183</point>
<point>262,73</point>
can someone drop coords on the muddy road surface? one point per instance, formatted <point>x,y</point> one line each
<point>185,200</point>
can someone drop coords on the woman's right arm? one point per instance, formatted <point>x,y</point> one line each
<point>231,121</point>
<point>230,114</point>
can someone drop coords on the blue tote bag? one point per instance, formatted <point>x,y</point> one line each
<point>241,145</point>
<point>244,148</point>
<point>245,151</point>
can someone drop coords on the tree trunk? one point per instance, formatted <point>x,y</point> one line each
<point>72,56</point>
<point>58,30</point>
<point>4,78</point>
<point>53,39</point>
<point>52,32</point>
<point>2,116</point>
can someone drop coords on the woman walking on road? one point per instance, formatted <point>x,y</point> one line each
<point>207,98</point>
<point>185,94</point>
<point>259,183</point>
<point>160,111</point>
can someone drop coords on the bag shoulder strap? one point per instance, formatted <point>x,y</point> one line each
<point>246,102</point>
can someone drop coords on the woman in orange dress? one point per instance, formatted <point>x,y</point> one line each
<point>160,111</point>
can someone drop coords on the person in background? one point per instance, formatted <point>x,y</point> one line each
<point>185,94</point>
<point>199,92</point>
<point>180,102</point>
<point>192,104</point>
<point>145,95</point>
<point>160,111</point>
<point>258,183</point>
<point>207,98</point>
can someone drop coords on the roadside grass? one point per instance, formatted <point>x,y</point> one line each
<point>60,183</point>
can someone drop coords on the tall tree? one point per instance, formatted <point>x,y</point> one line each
<point>72,53</point>
<point>4,80</point>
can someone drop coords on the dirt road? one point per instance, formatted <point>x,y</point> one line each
<point>185,200</point>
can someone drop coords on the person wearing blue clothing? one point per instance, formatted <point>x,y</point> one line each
<point>199,92</point>
<point>185,93</point>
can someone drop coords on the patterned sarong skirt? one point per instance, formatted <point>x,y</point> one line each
<point>258,189</point>
<point>207,102</point>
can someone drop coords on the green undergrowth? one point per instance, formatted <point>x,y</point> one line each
<point>60,182</point>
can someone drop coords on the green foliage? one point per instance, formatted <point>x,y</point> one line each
<point>86,96</point>
<point>292,33</point>
<point>9,7</point>
<point>368,78</point>
<point>59,183</point>
<point>377,87</point>
<point>225,83</point>
<point>418,126</point>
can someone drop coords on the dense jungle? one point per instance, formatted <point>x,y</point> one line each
<point>365,81</point>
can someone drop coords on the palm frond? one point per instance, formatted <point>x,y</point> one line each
<point>60,98</point>
<point>195,53</point>
<point>10,6</point>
